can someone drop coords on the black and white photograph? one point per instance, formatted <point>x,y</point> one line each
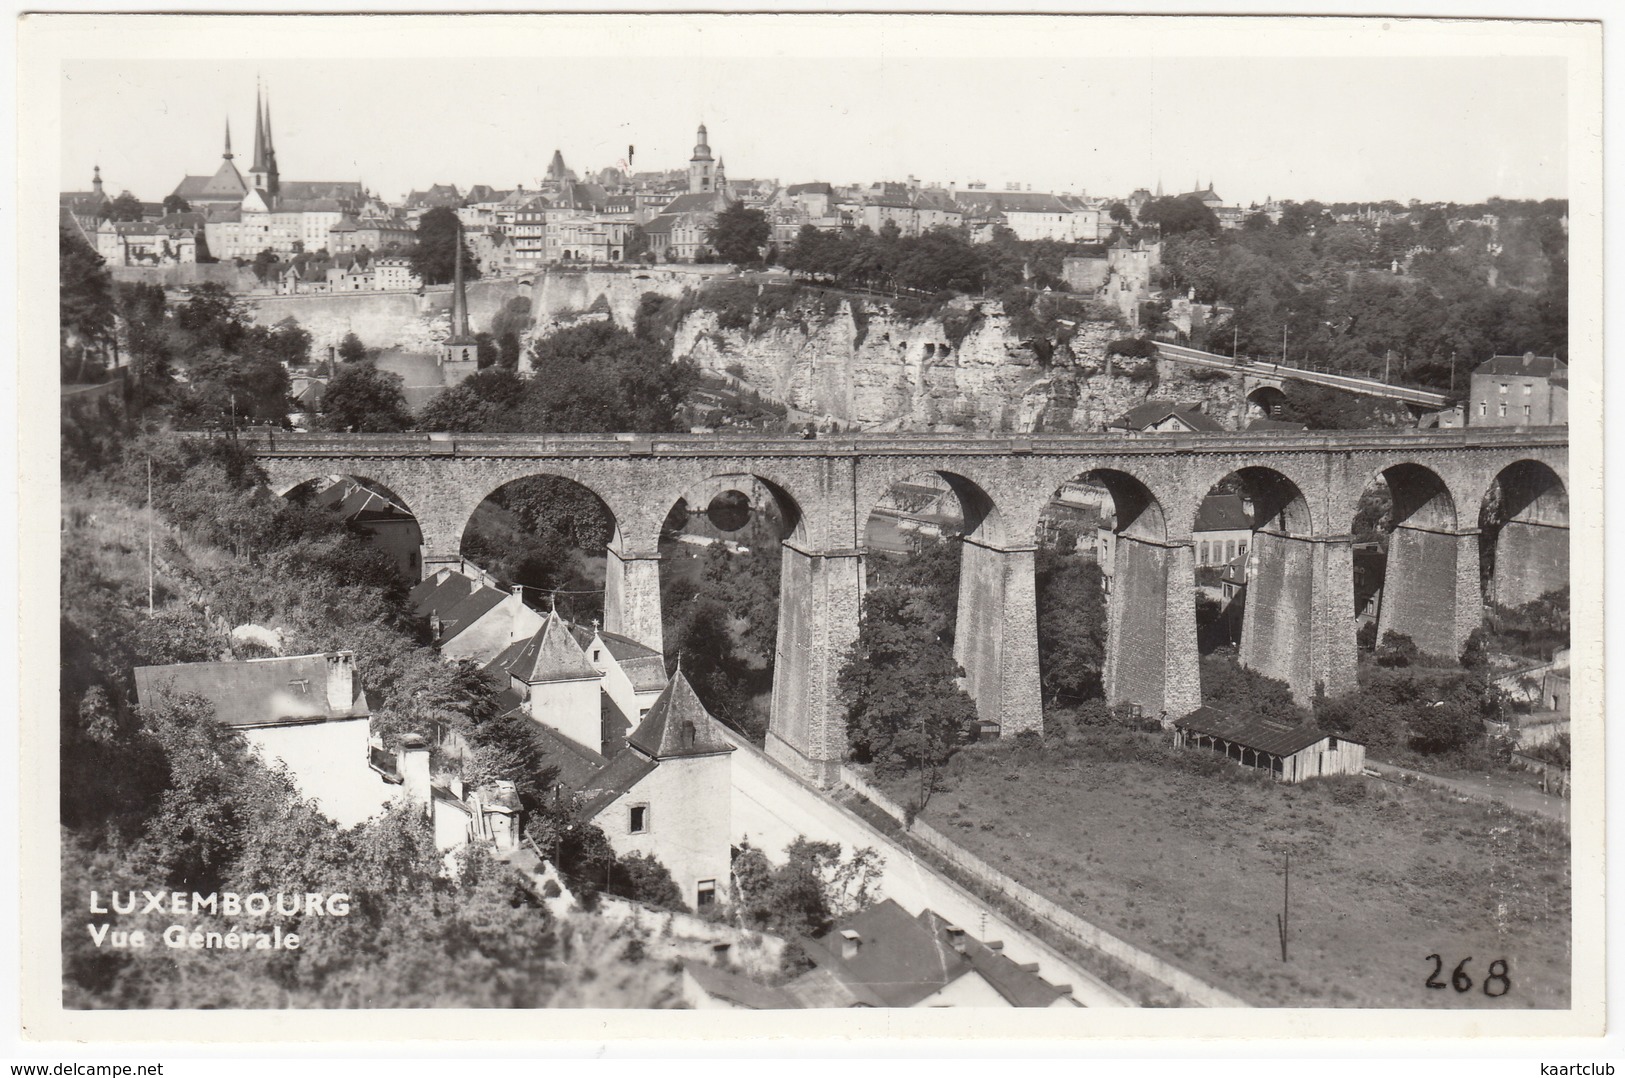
<point>786,513</point>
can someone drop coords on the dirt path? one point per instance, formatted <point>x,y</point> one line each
<point>1503,788</point>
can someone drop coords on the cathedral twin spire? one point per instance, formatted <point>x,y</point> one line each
<point>264,170</point>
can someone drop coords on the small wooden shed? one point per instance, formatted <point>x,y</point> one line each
<point>1291,753</point>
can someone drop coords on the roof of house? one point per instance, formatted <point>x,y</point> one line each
<point>809,189</point>
<point>1012,202</point>
<point>677,724</point>
<point>286,690</point>
<point>696,202</point>
<point>899,960</point>
<point>297,190</point>
<point>643,665</point>
<point>578,766</point>
<point>1265,735</point>
<point>1527,365</point>
<point>456,600</point>
<point>603,789</point>
<point>226,183</point>
<point>826,985</point>
<point>725,985</point>
<point>352,501</point>
<point>1223,513</point>
<point>550,654</point>
<point>661,225</point>
<point>1152,412</point>
<point>1021,987</point>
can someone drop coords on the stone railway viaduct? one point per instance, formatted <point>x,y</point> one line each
<point>1299,620</point>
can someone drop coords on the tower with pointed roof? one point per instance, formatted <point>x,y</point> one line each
<point>557,173</point>
<point>559,687</point>
<point>263,173</point>
<point>459,353</point>
<point>669,794</point>
<point>701,167</point>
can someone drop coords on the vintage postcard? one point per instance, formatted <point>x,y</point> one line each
<point>784,514</point>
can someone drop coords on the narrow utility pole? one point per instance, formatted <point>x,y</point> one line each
<point>1387,362</point>
<point>150,588</point>
<point>1283,342</point>
<point>1235,341</point>
<point>1452,370</point>
<point>1283,920</point>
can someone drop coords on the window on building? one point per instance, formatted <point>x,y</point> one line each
<point>1526,411</point>
<point>1503,388</point>
<point>706,894</point>
<point>638,819</point>
<point>1331,744</point>
<point>597,654</point>
<point>299,686</point>
<point>1503,408</point>
<point>1483,408</point>
<point>1528,388</point>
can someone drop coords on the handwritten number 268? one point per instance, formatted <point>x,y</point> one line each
<point>1461,982</point>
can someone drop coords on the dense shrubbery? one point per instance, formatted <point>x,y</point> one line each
<point>1331,286</point>
<point>905,710</point>
<point>590,377</point>
<point>1240,690</point>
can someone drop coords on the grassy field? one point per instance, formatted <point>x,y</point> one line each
<point>1181,854</point>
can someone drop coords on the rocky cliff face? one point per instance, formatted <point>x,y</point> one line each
<point>879,371</point>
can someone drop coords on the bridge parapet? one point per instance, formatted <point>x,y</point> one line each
<point>1085,444</point>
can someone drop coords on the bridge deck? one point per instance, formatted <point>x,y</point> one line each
<point>1117,443</point>
<point>1370,387</point>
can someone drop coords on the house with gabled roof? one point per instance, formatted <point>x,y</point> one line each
<point>390,527</point>
<point>634,674</point>
<point>471,619</point>
<point>1165,417</point>
<point>1519,391</point>
<point>554,683</point>
<point>669,794</point>
<point>306,713</point>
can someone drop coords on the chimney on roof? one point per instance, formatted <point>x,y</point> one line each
<point>340,682</point>
<point>1529,359</point>
<point>956,938</point>
<point>413,765</point>
<point>851,942</point>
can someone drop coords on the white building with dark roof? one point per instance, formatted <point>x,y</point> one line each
<point>1519,391</point>
<point>669,794</point>
<point>307,713</point>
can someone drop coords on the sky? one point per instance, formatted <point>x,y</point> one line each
<point>942,106</point>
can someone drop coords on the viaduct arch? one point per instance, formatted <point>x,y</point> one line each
<point>1307,485</point>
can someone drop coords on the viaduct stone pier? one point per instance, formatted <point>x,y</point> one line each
<point>1458,497</point>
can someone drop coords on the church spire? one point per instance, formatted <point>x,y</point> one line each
<point>96,181</point>
<point>259,130</point>
<point>228,154</point>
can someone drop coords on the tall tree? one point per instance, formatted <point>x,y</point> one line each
<point>905,709</point>
<point>362,398</point>
<point>1071,625</point>
<point>85,301</point>
<point>435,257</point>
<point>126,207</point>
<point>739,234</point>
